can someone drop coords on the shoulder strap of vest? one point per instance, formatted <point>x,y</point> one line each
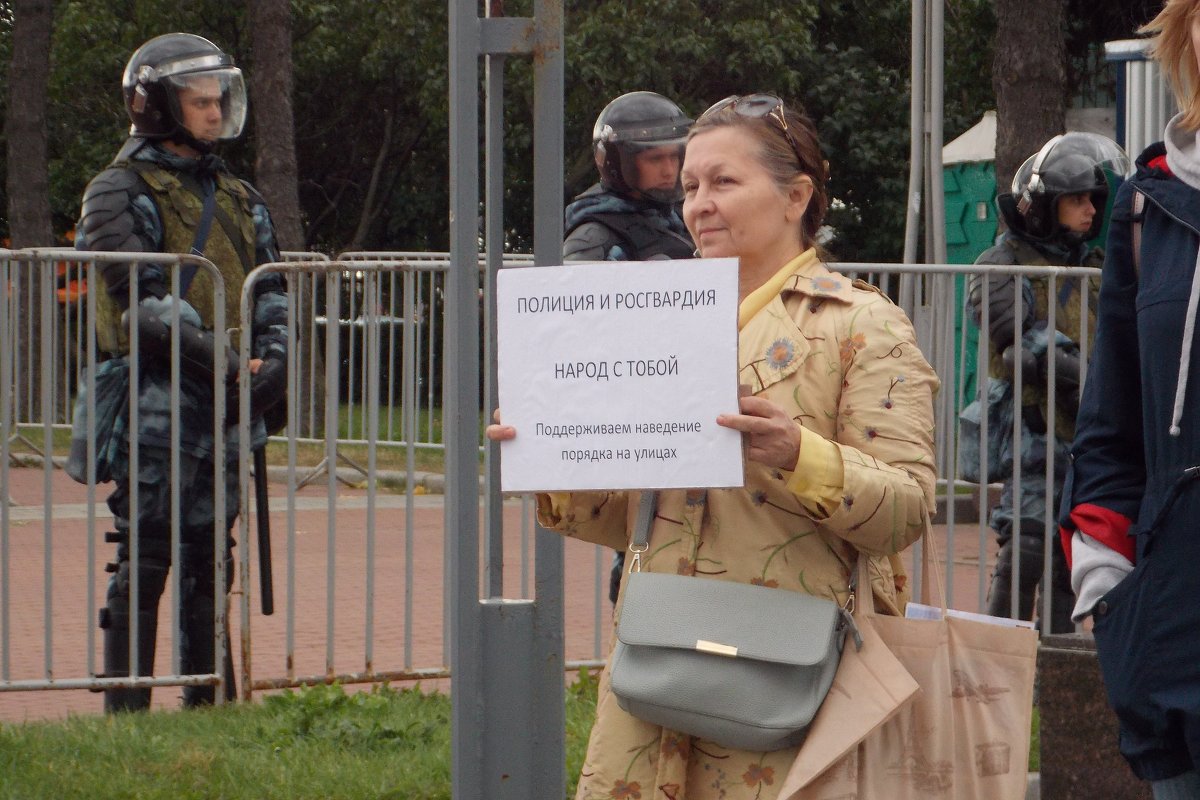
<point>245,250</point>
<point>163,180</point>
<point>1139,206</point>
<point>156,177</point>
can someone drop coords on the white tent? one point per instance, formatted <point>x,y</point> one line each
<point>977,143</point>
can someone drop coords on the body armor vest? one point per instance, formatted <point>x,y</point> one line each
<point>1066,320</point>
<point>229,246</point>
<point>649,237</point>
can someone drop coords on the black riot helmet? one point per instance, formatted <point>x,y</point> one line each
<point>1070,163</point>
<point>177,63</point>
<point>629,124</point>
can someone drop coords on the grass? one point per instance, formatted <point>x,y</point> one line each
<point>319,742</point>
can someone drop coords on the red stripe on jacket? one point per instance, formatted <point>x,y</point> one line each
<point>1107,527</point>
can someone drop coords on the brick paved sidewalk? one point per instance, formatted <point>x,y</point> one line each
<point>587,621</point>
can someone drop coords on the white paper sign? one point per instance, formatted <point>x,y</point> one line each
<point>613,375</point>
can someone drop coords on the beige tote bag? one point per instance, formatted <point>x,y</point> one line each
<point>966,734</point>
<point>870,686</point>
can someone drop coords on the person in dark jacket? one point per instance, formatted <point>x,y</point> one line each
<point>166,192</point>
<point>1132,501</point>
<point>633,213</point>
<point>1056,206</point>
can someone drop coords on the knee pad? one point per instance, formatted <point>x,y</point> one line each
<point>152,571</point>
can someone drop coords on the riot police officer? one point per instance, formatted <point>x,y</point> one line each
<point>1055,208</point>
<point>633,213</point>
<point>167,192</point>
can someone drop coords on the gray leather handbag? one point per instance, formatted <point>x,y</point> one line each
<point>743,666</point>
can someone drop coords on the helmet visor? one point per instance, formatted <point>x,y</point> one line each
<point>210,103</point>
<point>653,170</point>
<point>1072,163</point>
<point>650,134</point>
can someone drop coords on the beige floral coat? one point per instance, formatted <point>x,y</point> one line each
<point>843,360</point>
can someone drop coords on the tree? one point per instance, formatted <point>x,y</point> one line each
<point>371,100</point>
<point>25,129</point>
<point>271,103</point>
<point>1029,78</point>
<point>846,62</point>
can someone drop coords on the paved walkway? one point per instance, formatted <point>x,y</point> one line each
<point>51,629</point>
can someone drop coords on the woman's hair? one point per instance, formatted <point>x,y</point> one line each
<point>1172,48</point>
<point>783,162</point>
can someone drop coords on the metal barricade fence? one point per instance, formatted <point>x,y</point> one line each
<point>928,293</point>
<point>30,314</point>
<point>363,548</point>
<point>407,638</point>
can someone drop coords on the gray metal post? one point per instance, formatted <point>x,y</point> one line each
<point>493,578</point>
<point>916,125</point>
<point>508,720</point>
<point>549,714</point>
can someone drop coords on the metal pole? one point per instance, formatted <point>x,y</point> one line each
<point>508,720</point>
<point>494,239</point>
<point>549,711</point>
<point>937,197</point>
<point>916,113</point>
<point>461,365</point>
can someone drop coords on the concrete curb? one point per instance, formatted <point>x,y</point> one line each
<point>428,482</point>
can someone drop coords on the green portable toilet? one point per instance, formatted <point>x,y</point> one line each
<point>969,178</point>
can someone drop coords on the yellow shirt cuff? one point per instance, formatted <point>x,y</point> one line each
<point>819,479</point>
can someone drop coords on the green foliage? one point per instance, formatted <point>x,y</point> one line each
<point>360,721</point>
<point>371,84</point>
<point>319,742</point>
<point>357,65</point>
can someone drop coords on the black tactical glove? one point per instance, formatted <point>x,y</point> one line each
<point>268,395</point>
<point>196,346</point>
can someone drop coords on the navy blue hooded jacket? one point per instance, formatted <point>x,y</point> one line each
<point>1131,473</point>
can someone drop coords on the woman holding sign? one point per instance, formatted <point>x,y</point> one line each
<point>837,419</point>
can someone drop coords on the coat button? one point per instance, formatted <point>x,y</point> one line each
<point>1101,608</point>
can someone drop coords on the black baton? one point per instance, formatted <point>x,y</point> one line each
<point>262,506</point>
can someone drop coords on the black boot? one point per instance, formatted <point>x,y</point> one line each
<point>614,576</point>
<point>1000,594</point>
<point>197,654</point>
<point>114,621</point>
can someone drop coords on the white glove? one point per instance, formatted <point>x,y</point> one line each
<point>1095,568</point>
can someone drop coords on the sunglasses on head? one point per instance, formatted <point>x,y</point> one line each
<point>757,106</point>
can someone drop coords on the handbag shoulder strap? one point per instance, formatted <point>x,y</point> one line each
<point>641,529</point>
<point>641,543</point>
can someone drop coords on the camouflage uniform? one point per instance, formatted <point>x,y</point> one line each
<point>1033,409</point>
<point>158,197</point>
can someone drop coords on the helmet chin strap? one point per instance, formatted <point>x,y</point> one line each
<point>666,197</point>
<point>184,137</point>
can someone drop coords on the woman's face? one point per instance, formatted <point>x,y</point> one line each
<point>733,207</point>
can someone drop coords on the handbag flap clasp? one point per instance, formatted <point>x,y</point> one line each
<point>716,649</point>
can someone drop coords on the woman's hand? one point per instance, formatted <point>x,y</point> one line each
<point>772,437</point>
<point>498,432</point>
